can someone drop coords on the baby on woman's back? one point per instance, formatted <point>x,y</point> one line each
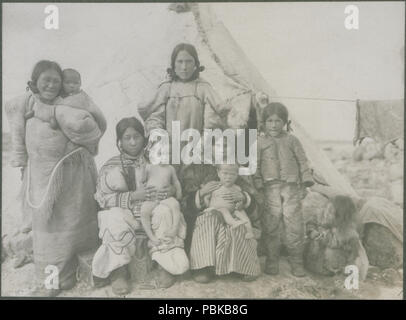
<point>73,107</point>
<point>71,82</point>
<point>71,96</point>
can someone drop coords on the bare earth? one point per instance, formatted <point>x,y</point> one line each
<point>19,282</point>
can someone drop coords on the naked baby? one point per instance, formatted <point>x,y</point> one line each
<point>163,221</point>
<point>232,212</point>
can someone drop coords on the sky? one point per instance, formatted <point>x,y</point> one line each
<point>302,50</point>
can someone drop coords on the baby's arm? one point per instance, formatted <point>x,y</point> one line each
<point>239,205</point>
<point>175,182</point>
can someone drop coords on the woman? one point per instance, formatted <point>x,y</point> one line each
<point>59,176</point>
<point>120,193</point>
<point>215,248</point>
<point>186,97</point>
<point>190,100</point>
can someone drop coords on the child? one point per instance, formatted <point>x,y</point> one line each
<point>337,236</point>
<point>71,82</point>
<point>228,174</point>
<point>72,97</point>
<point>163,221</point>
<point>282,173</point>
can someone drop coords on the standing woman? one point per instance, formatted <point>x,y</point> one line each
<point>59,177</point>
<point>187,98</point>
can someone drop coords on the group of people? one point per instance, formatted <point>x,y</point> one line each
<point>196,217</point>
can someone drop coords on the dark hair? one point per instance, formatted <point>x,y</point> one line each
<point>221,166</point>
<point>39,68</point>
<point>345,210</point>
<point>275,108</point>
<point>192,51</point>
<point>126,123</point>
<point>73,71</point>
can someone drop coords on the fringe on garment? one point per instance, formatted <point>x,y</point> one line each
<point>56,185</point>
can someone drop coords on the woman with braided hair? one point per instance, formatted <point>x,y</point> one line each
<point>120,193</point>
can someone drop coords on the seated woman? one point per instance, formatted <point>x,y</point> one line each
<point>216,248</point>
<point>120,193</point>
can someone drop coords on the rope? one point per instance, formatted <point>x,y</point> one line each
<point>319,99</point>
<point>50,179</point>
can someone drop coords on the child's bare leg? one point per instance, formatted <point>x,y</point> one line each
<point>146,214</point>
<point>228,218</point>
<point>174,207</point>
<point>249,234</point>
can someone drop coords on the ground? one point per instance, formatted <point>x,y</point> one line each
<point>378,285</point>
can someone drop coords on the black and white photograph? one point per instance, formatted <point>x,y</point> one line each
<point>194,150</point>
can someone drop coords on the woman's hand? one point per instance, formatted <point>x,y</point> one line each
<point>144,194</point>
<point>208,188</point>
<point>238,197</point>
<point>228,197</point>
<point>233,196</point>
<point>166,192</point>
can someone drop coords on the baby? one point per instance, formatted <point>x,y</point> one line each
<point>73,103</point>
<point>161,175</point>
<point>71,82</point>
<point>228,174</point>
<point>163,221</point>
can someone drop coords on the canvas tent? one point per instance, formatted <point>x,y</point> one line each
<point>382,120</point>
<point>139,66</point>
<point>135,72</point>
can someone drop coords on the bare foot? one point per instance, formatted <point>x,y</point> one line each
<point>236,224</point>
<point>249,235</point>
